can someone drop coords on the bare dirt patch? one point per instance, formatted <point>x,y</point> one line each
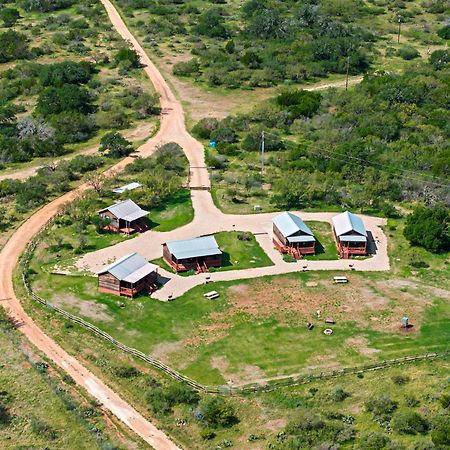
<point>245,374</point>
<point>361,345</point>
<point>377,305</point>
<point>398,283</point>
<point>163,350</point>
<point>86,308</point>
<point>276,424</point>
<point>201,98</point>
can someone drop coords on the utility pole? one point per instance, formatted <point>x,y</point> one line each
<point>348,68</point>
<point>262,153</point>
<point>399,27</point>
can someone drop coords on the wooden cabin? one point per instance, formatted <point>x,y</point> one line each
<point>291,235</point>
<point>128,276</point>
<point>124,217</point>
<point>350,235</point>
<point>198,253</point>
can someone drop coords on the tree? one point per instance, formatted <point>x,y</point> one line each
<point>68,97</point>
<point>215,412</point>
<point>13,46</point>
<point>429,228</point>
<point>67,72</point>
<point>116,145</point>
<point>127,56</point>
<point>211,23</point>
<point>9,16</point>
<point>300,103</point>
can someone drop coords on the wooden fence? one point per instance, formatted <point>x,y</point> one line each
<point>268,385</point>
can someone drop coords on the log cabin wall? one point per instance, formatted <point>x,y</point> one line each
<point>108,283</point>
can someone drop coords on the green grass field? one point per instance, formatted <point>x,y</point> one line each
<point>325,243</point>
<point>257,329</point>
<point>39,411</point>
<point>176,212</point>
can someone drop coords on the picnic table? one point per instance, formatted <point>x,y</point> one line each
<point>211,295</point>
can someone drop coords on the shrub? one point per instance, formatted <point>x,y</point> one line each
<point>68,97</point>
<point>157,401</point>
<point>300,103</point>
<point>186,68</point>
<point>411,401</point>
<point>429,228</point>
<point>440,432</point>
<point>69,72</point>
<point>400,379</point>
<point>409,422</point>
<point>440,59</point>
<point>13,46</point>
<point>216,412</point>
<point>381,406</point>
<point>38,426</point>
<point>408,52</point>
<point>180,393</point>
<point>5,416</point>
<point>207,434</point>
<point>374,441</point>
<point>204,127</point>
<point>445,401</point>
<point>223,134</point>
<point>126,372</point>
<point>339,395</point>
<point>444,32</point>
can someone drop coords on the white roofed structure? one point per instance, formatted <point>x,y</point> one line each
<point>351,235</point>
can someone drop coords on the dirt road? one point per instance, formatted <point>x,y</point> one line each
<point>172,128</point>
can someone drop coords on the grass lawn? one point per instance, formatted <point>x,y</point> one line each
<point>174,213</point>
<point>325,244</point>
<point>237,254</point>
<point>257,328</point>
<point>41,411</point>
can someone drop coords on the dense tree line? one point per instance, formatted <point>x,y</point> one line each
<point>382,142</point>
<point>265,42</point>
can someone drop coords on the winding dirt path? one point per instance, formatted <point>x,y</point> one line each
<point>172,129</point>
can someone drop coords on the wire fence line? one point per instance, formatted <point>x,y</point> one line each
<point>265,386</point>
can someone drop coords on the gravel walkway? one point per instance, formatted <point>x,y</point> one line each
<point>208,220</point>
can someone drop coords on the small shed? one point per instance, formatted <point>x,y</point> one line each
<point>291,235</point>
<point>199,254</point>
<point>350,234</point>
<point>128,276</point>
<point>127,187</point>
<point>125,217</point>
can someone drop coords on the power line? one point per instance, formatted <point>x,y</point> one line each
<point>381,166</point>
